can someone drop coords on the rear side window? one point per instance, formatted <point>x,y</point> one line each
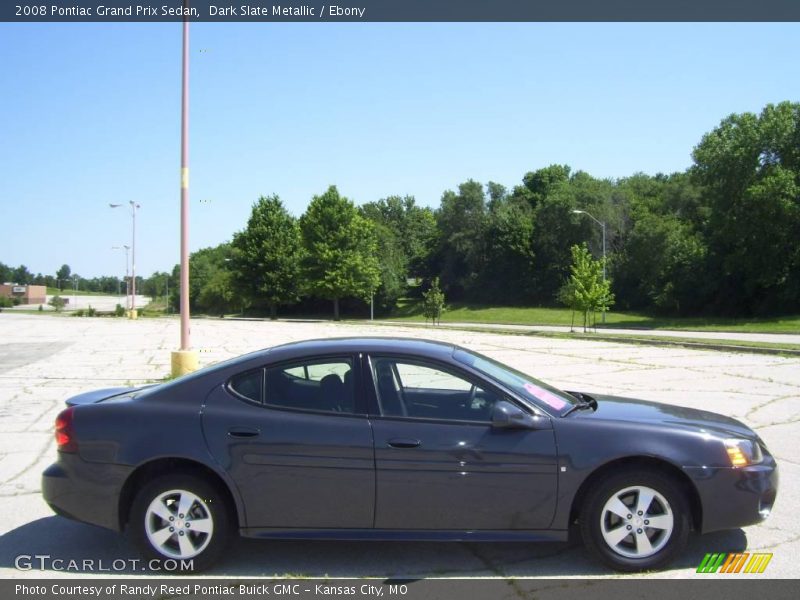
<point>249,386</point>
<point>321,385</point>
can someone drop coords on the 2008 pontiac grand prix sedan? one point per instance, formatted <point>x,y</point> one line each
<point>397,439</point>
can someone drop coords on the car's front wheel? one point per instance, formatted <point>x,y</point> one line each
<point>635,520</point>
<point>182,521</point>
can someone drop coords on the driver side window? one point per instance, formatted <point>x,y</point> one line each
<point>425,391</point>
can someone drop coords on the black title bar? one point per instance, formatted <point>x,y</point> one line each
<point>398,10</point>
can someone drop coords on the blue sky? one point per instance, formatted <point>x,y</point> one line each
<point>89,114</point>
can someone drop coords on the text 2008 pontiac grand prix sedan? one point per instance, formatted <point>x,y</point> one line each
<point>396,439</point>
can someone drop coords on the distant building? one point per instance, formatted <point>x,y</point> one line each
<point>27,294</point>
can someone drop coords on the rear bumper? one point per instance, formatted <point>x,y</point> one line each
<point>86,492</point>
<point>735,497</point>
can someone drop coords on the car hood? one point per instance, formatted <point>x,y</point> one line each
<point>614,408</point>
<point>103,394</point>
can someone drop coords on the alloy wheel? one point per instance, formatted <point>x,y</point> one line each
<point>636,522</point>
<point>178,524</point>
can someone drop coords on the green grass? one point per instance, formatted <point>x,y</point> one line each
<point>510,315</point>
<point>68,291</point>
<point>726,345</point>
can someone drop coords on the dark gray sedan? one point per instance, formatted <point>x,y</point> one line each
<point>397,439</point>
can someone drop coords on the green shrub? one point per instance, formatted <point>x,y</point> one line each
<point>78,313</point>
<point>119,311</point>
<point>5,302</point>
<point>91,311</point>
<point>16,301</point>
<point>58,303</point>
<point>41,308</point>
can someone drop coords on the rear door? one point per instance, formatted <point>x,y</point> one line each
<point>441,465</point>
<point>296,440</point>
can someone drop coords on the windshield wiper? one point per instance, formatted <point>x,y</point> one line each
<point>584,401</point>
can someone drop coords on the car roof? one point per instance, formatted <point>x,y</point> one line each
<point>375,345</point>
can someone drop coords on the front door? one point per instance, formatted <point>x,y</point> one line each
<point>440,465</point>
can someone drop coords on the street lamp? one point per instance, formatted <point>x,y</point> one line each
<point>603,226</point>
<point>134,208</point>
<point>127,275</point>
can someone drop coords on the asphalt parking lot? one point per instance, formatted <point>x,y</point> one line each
<point>46,358</point>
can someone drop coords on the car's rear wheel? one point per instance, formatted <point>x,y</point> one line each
<point>635,520</point>
<point>182,521</point>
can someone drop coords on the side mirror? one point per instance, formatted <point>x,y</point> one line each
<point>508,416</point>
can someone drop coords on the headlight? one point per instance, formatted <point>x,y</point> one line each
<point>743,452</point>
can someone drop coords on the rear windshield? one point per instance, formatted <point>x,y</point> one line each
<point>526,386</point>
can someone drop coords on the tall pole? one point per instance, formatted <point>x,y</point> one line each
<point>185,342</point>
<point>127,275</point>
<point>184,360</point>
<point>604,266</point>
<point>127,278</point>
<point>134,206</point>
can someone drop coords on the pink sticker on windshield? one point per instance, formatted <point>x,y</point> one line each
<point>545,396</point>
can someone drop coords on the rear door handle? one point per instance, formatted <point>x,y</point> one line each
<point>243,432</point>
<point>403,443</point>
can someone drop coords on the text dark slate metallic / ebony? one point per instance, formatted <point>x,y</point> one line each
<point>396,439</point>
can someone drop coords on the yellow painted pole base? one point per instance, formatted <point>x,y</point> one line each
<point>183,362</point>
<point>133,314</point>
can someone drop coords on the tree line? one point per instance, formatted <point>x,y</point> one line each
<point>720,238</point>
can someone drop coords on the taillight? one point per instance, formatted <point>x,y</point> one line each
<point>65,435</point>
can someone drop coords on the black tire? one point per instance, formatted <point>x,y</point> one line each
<point>206,503</point>
<point>601,526</point>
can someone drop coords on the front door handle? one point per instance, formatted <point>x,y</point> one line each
<point>403,443</point>
<point>243,432</point>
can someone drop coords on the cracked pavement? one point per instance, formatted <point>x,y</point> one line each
<point>45,358</point>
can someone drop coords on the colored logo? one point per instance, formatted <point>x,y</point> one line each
<point>734,562</point>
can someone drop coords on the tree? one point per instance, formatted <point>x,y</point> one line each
<point>217,293</point>
<point>58,303</point>
<point>267,255</point>
<point>62,275</point>
<point>21,275</point>
<point>414,228</point>
<point>749,167</point>
<point>203,266</point>
<point>460,252</point>
<point>340,250</point>
<point>433,302</point>
<point>585,291</point>
<point>509,272</point>
<point>393,268</point>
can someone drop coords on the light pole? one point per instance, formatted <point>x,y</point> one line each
<point>184,360</point>
<point>134,208</point>
<point>75,292</point>
<point>127,276</point>
<point>166,295</point>
<point>603,227</point>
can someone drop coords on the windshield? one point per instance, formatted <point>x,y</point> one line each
<point>524,385</point>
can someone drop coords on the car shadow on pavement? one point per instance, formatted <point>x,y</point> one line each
<point>110,553</point>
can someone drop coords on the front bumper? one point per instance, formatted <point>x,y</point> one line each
<point>734,497</point>
<point>86,492</point>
